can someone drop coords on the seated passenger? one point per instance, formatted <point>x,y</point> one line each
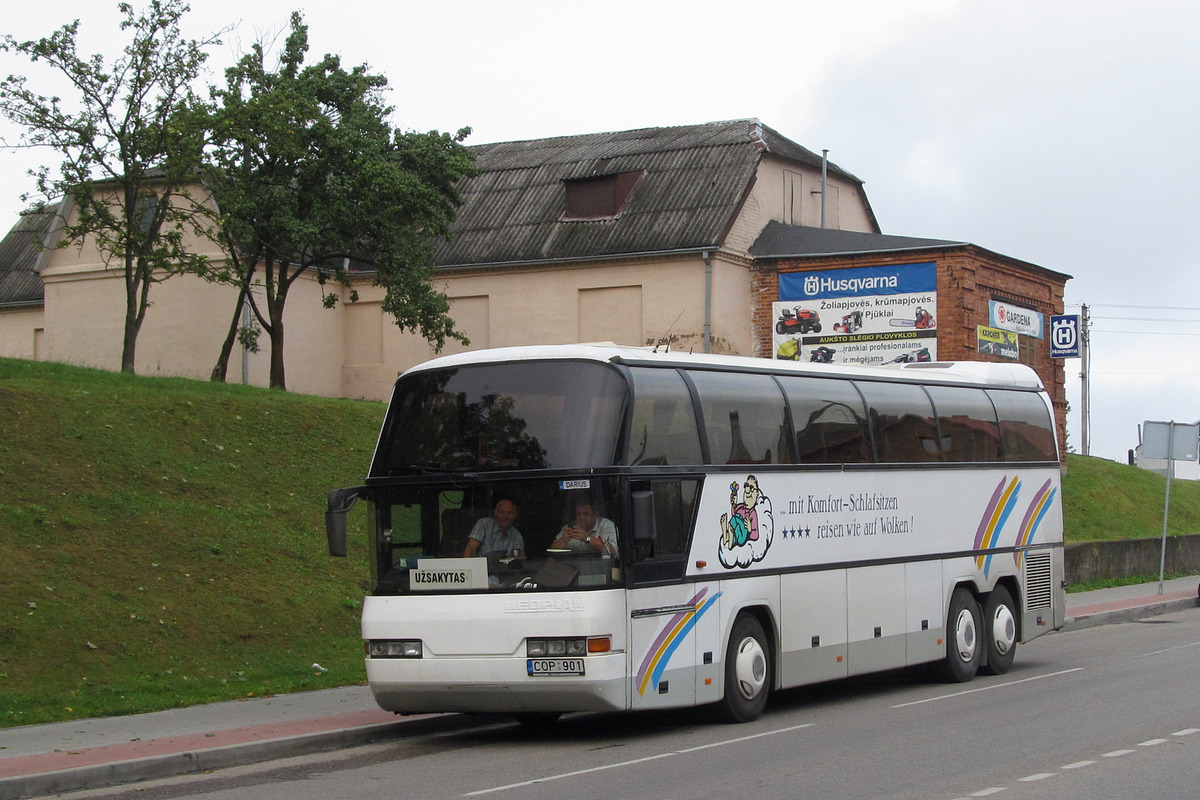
<point>589,533</point>
<point>496,534</point>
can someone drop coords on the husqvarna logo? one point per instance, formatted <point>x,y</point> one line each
<point>1064,333</point>
<point>815,285</point>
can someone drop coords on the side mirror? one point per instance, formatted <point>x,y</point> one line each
<point>645,528</point>
<point>340,502</point>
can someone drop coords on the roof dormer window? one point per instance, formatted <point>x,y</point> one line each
<point>600,196</point>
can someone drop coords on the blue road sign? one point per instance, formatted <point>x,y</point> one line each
<point>1064,336</point>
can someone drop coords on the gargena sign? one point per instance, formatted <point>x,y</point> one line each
<point>1008,317</point>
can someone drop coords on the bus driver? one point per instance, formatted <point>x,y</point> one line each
<point>496,534</point>
<point>589,533</point>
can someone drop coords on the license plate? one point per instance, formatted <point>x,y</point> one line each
<point>555,666</point>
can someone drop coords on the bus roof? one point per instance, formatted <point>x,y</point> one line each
<point>971,372</point>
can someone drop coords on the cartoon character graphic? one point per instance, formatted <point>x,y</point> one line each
<point>747,530</point>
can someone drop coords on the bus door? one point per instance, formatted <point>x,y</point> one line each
<point>675,631</point>
<point>675,638</point>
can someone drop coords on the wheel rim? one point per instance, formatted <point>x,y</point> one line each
<point>750,668</point>
<point>1004,629</point>
<point>965,639</point>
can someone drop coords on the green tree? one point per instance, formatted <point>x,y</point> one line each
<point>130,136</point>
<point>310,176</point>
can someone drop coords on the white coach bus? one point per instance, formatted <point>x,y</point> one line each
<point>597,528</point>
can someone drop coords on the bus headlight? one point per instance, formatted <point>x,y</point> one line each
<point>388,648</point>
<point>543,648</point>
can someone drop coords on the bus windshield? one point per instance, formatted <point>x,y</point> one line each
<point>520,535</point>
<point>516,416</point>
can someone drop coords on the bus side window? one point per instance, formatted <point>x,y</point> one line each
<point>830,421</point>
<point>902,421</point>
<point>1026,430</point>
<point>663,429</point>
<point>744,416</point>
<point>968,424</point>
<point>674,508</point>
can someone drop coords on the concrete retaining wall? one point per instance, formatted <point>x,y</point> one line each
<point>1117,559</point>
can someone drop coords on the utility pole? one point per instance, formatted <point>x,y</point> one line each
<point>1083,379</point>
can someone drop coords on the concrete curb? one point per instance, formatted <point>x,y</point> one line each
<point>1131,614</point>
<point>97,776</point>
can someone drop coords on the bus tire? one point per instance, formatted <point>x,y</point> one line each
<point>963,646</point>
<point>999,631</point>
<point>747,671</point>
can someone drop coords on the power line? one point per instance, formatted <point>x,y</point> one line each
<point>1154,308</point>
<point>1145,333</point>
<point>1148,374</point>
<point>1151,319</point>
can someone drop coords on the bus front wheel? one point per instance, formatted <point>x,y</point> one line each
<point>747,671</point>
<point>999,631</point>
<point>963,648</point>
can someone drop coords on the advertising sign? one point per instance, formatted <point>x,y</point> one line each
<point>1064,336</point>
<point>995,342</point>
<point>1008,317</point>
<point>861,315</point>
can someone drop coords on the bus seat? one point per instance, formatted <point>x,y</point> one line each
<point>456,526</point>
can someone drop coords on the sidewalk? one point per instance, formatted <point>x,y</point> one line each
<point>37,760</point>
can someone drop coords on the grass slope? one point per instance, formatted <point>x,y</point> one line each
<point>163,539</point>
<point>163,542</point>
<point>1105,500</point>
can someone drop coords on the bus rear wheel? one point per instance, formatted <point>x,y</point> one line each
<point>747,671</point>
<point>999,631</point>
<point>963,650</point>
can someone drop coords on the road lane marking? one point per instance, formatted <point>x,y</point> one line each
<point>1170,649</point>
<point>621,764</point>
<point>988,688</point>
<point>1041,776</point>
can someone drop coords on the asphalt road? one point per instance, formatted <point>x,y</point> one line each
<point>1109,712</point>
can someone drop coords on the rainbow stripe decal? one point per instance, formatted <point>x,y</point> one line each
<point>1033,518</point>
<point>669,638</point>
<point>994,516</point>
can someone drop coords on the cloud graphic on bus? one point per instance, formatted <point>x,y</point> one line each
<point>748,528</point>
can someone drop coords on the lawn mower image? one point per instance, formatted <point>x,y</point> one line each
<point>788,350</point>
<point>798,320</point>
<point>823,355</point>
<point>850,323</point>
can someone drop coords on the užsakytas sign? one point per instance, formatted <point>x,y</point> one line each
<point>858,315</point>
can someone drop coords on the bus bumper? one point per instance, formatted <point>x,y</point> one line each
<point>494,685</point>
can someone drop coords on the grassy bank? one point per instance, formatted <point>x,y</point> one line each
<point>163,545</point>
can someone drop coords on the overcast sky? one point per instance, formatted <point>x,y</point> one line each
<point>1060,132</point>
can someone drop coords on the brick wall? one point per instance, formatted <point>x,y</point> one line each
<point>968,278</point>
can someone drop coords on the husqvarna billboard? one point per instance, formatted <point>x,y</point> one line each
<point>859,315</point>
